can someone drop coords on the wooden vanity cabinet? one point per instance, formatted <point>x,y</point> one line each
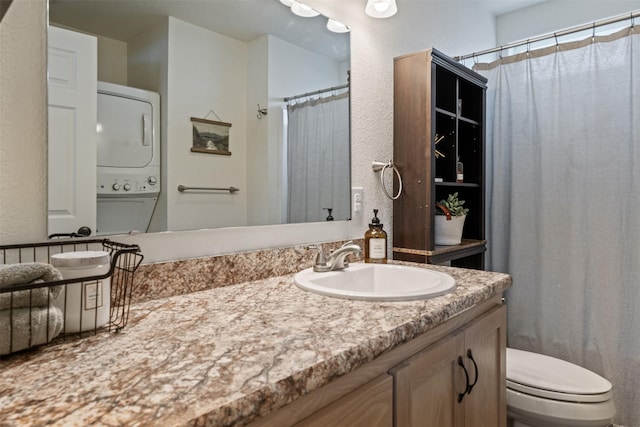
<point>432,389</point>
<point>438,120</point>
<point>418,383</point>
<point>371,405</point>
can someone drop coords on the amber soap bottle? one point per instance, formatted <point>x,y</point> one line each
<point>375,242</point>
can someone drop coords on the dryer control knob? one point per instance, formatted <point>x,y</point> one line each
<point>115,186</point>
<point>127,187</point>
<point>152,180</point>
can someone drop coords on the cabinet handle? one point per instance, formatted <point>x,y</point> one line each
<point>466,376</point>
<point>475,366</point>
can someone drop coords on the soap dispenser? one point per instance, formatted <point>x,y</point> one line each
<point>375,242</point>
<point>329,217</point>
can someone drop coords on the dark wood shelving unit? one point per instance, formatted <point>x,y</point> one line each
<point>435,96</point>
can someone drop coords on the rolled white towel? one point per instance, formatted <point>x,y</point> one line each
<point>29,272</point>
<point>22,328</point>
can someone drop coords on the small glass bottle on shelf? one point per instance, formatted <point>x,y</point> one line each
<point>459,171</point>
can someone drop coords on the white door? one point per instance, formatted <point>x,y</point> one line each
<point>73,78</point>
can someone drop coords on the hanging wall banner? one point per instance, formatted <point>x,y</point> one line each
<point>210,137</point>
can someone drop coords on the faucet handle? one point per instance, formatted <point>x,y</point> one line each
<point>350,242</point>
<point>320,258</point>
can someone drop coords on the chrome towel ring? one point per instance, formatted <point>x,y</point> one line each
<point>382,166</point>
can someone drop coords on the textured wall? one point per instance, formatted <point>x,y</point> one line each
<point>23,124</point>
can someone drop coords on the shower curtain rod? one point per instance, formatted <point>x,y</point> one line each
<point>316,92</point>
<point>555,35</point>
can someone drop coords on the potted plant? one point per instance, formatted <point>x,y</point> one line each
<point>449,220</point>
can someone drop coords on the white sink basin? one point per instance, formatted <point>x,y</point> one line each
<point>377,282</point>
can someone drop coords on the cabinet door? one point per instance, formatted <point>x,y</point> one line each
<point>368,406</point>
<point>485,337</point>
<point>427,386</point>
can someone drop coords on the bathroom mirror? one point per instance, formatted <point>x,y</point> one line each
<point>271,41</point>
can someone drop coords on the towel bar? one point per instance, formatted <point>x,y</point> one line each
<point>182,188</point>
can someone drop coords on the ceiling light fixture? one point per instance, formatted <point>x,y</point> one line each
<point>303,10</point>
<point>337,26</point>
<point>380,8</point>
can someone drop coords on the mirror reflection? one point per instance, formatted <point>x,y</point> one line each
<point>272,86</point>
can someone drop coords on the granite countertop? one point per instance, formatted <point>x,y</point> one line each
<point>222,357</point>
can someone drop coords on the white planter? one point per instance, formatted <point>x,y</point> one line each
<point>448,232</point>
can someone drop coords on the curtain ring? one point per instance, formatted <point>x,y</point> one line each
<point>633,21</point>
<point>381,166</point>
<point>593,34</point>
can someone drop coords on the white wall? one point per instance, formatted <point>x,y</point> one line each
<point>194,83</point>
<point>258,132</point>
<point>551,16</point>
<point>112,60</point>
<point>23,122</point>
<point>203,80</point>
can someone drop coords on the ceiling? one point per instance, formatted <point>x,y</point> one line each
<point>240,19</point>
<point>498,7</point>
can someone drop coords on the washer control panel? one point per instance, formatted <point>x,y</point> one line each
<point>128,184</point>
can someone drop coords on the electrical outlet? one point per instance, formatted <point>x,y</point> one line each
<point>357,195</point>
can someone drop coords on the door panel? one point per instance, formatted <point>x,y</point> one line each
<point>486,338</point>
<point>72,70</point>
<point>426,386</point>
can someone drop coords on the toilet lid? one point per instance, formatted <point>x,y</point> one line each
<point>552,378</point>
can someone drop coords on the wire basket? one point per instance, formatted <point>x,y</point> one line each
<point>38,312</point>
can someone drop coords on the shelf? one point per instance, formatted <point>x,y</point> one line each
<point>467,244</point>
<point>457,184</point>
<point>442,254</point>
<point>446,112</point>
<point>455,116</point>
<point>464,119</point>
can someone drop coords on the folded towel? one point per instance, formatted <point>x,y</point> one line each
<point>29,272</point>
<point>28,327</point>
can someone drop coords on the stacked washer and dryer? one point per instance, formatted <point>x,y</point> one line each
<point>128,183</point>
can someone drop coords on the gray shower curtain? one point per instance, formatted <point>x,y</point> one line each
<point>564,204</point>
<point>318,159</point>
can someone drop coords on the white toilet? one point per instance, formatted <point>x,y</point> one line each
<point>543,391</point>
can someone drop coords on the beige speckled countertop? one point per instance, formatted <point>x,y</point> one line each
<point>223,356</point>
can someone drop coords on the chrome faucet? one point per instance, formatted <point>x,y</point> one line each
<point>336,260</point>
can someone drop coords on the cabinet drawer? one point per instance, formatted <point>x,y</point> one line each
<point>370,405</point>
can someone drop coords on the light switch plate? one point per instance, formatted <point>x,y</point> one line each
<point>357,196</point>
